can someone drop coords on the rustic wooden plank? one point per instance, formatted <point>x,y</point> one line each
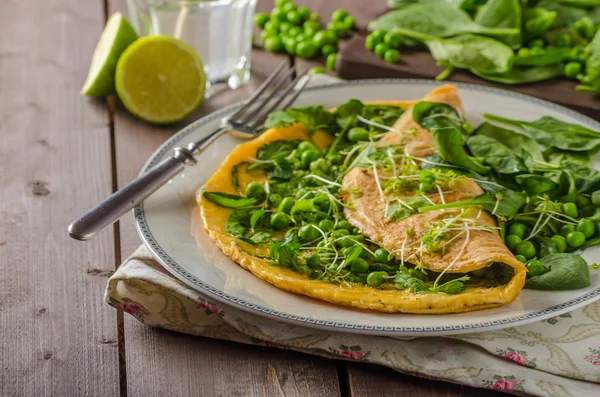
<point>58,337</point>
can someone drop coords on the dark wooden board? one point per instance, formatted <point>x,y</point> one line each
<point>57,336</point>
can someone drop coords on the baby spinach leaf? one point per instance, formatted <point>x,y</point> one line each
<point>313,118</point>
<point>260,237</point>
<point>563,157</point>
<point>537,21</point>
<point>592,65</point>
<point>519,75</point>
<point>238,222</point>
<point>397,212</point>
<point>516,142</point>
<point>548,57</point>
<point>256,215</point>
<point>504,203</point>
<point>279,148</point>
<point>502,14</point>
<point>536,185</point>
<point>285,252</point>
<point>387,114</point>
<point>433,114</point>
<point>567,272</point>
<point>552,132</point>
<point>282,169</point>
<point>345,115</point>
<point>228,200</point>
<point>587,180</point>
<point>567,15</point>
<point>544,246</point>
<point>434,19</point>
<point>495,154</point>
<point>453,286</point>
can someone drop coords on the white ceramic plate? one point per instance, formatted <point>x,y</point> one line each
<point>164,224</point>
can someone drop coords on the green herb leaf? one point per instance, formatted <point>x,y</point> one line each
<point>285,252</point>
<point>516,142</point>
<point>567,272</point>
<point>519,75</point>
<point>453,286</point>
<point>397,212</point>
<point>228,200</point>
<point>282,169</point>
<point>276,149</point>
<point>536,184</point>
<point>345,115</point>
<point>387,114</point>
<point>495,154</point>
<point>306,205</point>
<point>238,222</point>
<point>502,14</point>
<point>505,203</point>
<point>313,118</point>
<point>256,215</point>
<point>537,21</point>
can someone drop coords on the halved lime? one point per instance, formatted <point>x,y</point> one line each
<point>118,34</point>
<point>160,79</point>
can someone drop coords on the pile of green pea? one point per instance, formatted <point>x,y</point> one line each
<point>570,237</point>
<point>297,31</point>
<point>385,44</point>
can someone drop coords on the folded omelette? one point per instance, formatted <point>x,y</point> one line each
<point>471,246</point>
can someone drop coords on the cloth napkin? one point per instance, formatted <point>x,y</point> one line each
<point>558,357</point>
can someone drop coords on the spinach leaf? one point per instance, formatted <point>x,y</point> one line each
<point>537,21</point>
<point>276,149</point>
<point>592,65</point>
<point>544,246</point>
<point>387,114</point>
<point>235,174</point>
<point>238,222</point>
<point>228,200</point>
<point>504,203</point>
<point>435,20</point>
<point>259,237</point>
<point>313,118</point>
<point>566,15</point>
<point>256,215</point>
<point>523,75</point>
<point>567,272</point>
<point>536,185</point>
<point>564,157</point>
<point>581,3</point>
<point>453,286</point>
<point>552,132</point>
<point>470,51</point>
<point>281,169</point>
<point>587,180</point>
<point>285,252</point>
<point>345,115</point>
<point>548,57</point>
<point>495,154</point>
<point>515,141</point>
<point>397,212</point>
<point>502,14</point>
<point>553,36</point>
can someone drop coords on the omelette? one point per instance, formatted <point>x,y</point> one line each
<point>332,215</point>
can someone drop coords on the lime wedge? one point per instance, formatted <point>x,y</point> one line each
<point>118,34</point>
<point>160,79</point>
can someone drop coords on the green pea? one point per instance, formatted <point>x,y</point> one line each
<point>280,221</point>
<point>328,49</point>
<point>319,164</point>
<point>335,159</point>
<point>564,40</point>
<point>570,209</point>
<point>314,17</point>
<point>265,34</point>
<point>309,233</point>
<point>311,25</point>
<point>294,18</point>
<point>371,41</point>
<point>375,279</point>
<point>576,239</point>
<point>322,202</point>
<point>391,56</point>
<point>307,145</point>
<point>586,227</point>
<point>280,3</point>
<point>349,22</point>
<point>255,190</point>
<point>284,27</point>
<point>526,249</point>
<point>273,44</point>
<point>309,156</point>
<point>537,51</point>
<point>290,45</point>
<point>286,205</point>
<point>536,43</point>
<point>381,48</point>
<point>585,28</point>
<point>278,14</point>
<point>572,69</point>
<point>260,19</point>
<point>305,193</point>
<point>314,261</point>
<point>587,80</point>
<point>343,225</point>
<point>596,198</point>
<point>381,255</point>
<point>561,243</point>
<point>523,52</point>
<point>393,39</point>
<point>340,233</point>
<point>294,31</point>
<point>331,60</point>
<point>288,6</point>
<point>521,258</point>
<point>379,35</point>
<point>324,37</point>
<point>355,230</point>
<point>517,229</point>
<point>566,229</point>
<point>326,225</point>
<point>582,201</point>
<point>534,268</point>
<point>339,15</point>
<point>359,265</point>
<point>303,12</point>
<point>306,49</point>
<point>358,134</point>
<point>275,199</point>
<point>512,241</point>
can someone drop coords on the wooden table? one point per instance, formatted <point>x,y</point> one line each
<point>60,154</point>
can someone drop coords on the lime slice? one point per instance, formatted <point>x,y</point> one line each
<point>116,37</point>
<point>160,79</point>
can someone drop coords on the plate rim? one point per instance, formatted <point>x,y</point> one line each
<point>183,275</point>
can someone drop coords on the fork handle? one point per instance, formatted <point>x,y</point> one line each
<point>122,201</point>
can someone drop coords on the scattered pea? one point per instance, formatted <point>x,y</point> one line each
<point>526,249</point>
<point>576,239</point>
<point>596,198</point>
<point>309,233</point>
<point>391,56</point>
<point>512,241</point>
<point>359,265</point>
<point>328,49</point>
<point>314,17</point>
<point>358,134</point>
<point>537,51</point>
<point>517,229</point>
<point>319,164</point>
<point>393,39</point>
<point>572,69</point>
<point>343,225</point>
<point>380,49</point>
<point>566,229</point>
<point>375,279</point>
<point>570,209</point>
<point>381,255</point>
<point>255,190</point>
<point>379,35</point>
<point>536,43</point>
<point>335,158</point>
<point>326,225</point>
<point>260,19</point>
<point>585,27</point>
<point>280,221</point>
<point>309,156</point>
<point>322,201</point>
<point>275,199</point>
<point>564,40</point>
<point>371,41</point>
<point>303,12</point>
<point>314,261</point>
<point>523,52</point>
<point>349,22</point>
<point>306,49</point>
<point>339,15</point>
<point>561,243</point>
<point>535,268</point>
<point>273,44</point>
<point>286,205</point>
<point>521,258</point>
<point>294,31</point>
<point>586,227</point>
<point>290,45</point>
<point>324,37</point>
<point>331,60</point>
<point>288,6</point>
<point>307,145</point>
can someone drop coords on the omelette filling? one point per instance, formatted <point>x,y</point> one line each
<point>290,207</point>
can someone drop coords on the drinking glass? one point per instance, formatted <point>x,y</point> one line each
<point>219,30</point>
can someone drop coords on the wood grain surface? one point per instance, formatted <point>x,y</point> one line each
<point>57,336</point>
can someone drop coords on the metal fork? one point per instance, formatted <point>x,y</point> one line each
<point>246,122</point>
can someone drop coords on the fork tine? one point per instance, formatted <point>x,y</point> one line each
<point>264,112</point>
<point>260,90</point>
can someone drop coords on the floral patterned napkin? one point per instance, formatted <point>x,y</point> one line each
<point>555,357</point>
